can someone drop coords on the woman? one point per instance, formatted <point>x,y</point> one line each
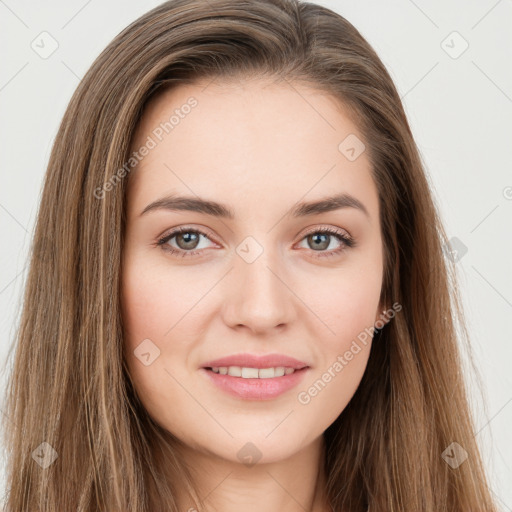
<point>238,295</point>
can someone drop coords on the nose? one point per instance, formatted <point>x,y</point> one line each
<point>258,297</point>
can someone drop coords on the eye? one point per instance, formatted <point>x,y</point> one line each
<point>321,238</point>
<point>188,241</point>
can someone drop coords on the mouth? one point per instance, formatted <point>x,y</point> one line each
<point>251,362</point>
<point>248,383</point>
<point>253,373</point>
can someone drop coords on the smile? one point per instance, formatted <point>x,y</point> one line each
<point>254,383</point>
<point>253,373</point>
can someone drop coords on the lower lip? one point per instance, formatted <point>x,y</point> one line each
<point>255,389</point>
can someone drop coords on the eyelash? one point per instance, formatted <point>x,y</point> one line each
<point>348,241</point>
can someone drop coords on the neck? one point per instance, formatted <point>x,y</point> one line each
<point>296,484</point>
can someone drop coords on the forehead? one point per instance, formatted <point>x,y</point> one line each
<point>251,139</point>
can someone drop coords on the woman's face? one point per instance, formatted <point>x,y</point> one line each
<point>263,281</point>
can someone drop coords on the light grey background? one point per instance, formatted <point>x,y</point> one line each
<point>459,108</point>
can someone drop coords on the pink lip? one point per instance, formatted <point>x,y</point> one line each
<point>255,389</point>
<point>253,361</point>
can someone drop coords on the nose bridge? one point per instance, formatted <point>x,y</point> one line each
<point>259,299</point>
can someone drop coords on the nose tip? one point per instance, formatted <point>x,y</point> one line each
<point>258,297</point>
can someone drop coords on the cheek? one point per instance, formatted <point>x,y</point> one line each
<point>347,304</point>
<point>144,307</point>
<point>343,353</point>
<point>353,313</point>
<point>346,297</point>
<point>156,300</point>
<point>162,305</point>
<point>152,303</point>
<point>330,390</point>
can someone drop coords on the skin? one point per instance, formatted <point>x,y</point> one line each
<point>260,148</point>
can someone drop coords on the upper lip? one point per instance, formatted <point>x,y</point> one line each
<point>255,361</point>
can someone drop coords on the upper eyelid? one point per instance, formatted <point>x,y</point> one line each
<point>176,231</point>
<point>207,233</point>
<point>334,229</point>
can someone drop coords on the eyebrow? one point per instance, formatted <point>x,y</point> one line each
<point>215,209</point>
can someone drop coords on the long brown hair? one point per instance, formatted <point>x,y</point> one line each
<point>69,385</point>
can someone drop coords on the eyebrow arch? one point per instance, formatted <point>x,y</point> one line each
<point>195,204</point>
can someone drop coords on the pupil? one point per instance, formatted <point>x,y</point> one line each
<point>189,239</point>
<point>325,242</point>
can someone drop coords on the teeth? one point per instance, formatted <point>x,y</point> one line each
<point>253,373</point>
<point>235,371</point>
<point>266,373</point>
<point>250,373</point>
